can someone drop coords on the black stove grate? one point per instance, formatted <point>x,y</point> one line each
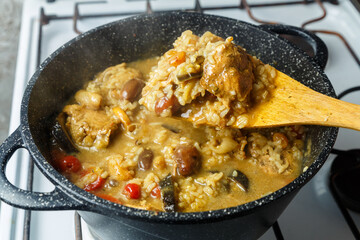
<point>344,189</point>
<point>46,19</point>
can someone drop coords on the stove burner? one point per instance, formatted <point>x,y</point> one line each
<point>345,176</point>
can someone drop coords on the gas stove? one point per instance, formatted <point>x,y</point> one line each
<point>313,214</point>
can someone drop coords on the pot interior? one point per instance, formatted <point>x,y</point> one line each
<point>74,64</point>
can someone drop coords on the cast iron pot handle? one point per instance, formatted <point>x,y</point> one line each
<point>12,195</point>
<point>320,49</point>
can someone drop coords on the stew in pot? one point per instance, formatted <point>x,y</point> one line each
<point>125,138</point>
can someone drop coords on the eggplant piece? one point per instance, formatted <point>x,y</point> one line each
<point>171,128</point>
<point>194,73</point>
<point>61,135</point>
<point>200,60</point>
<point>240,179</point>
<point>189,76</point>
<point>225,183</point>
<point>168,193</point>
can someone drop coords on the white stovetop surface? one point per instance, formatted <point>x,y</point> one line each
<point>313,214</point>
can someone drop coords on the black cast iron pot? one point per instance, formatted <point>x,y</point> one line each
<point>75,63</point>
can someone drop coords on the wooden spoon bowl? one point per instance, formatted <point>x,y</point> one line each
<point>293,103</point>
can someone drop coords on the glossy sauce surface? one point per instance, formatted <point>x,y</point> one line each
<point>197,191</point>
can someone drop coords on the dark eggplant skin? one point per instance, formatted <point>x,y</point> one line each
<point>61,135</point>
<point>138,37</point>
<point>240,179</point>
<point>189,76</point>
<point>171,128</point>
<point>168,194</point>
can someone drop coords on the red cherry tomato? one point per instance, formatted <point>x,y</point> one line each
<point>108,197</point>
<point>69,164</point>
<point>83,172</point>
<point>97,184</point>
<point>155,193</point>
<point>132,190</point>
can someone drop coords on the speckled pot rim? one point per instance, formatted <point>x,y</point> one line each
<point>90,202</point>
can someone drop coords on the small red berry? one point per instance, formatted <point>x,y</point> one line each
<point>69,164</point>
<point>132,190</point>
<point>155,193</point>
<point>97,184</point>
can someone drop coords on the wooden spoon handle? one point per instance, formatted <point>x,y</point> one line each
<point>294,103</point>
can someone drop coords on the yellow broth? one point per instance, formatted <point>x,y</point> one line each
<point>197,192</point>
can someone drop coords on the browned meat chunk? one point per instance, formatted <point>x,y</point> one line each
<point>89,128</point>
<point>228,72</point>
<point>115,83</point>
<point>88,99</point>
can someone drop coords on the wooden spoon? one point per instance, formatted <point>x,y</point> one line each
<point>292,103</point>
